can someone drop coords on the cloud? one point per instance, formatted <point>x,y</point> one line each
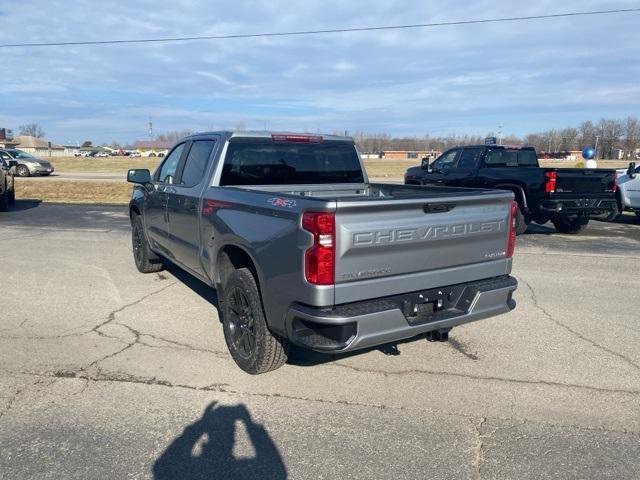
<point>526,75</point>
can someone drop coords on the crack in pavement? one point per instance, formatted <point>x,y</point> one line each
<point>488,378</point>
<point>478,459</point>
<point>116,377</point>
<point>13,398</point>
<point>536,304</point>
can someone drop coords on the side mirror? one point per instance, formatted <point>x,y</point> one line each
<point>631,171</point>
<point>425,163</point>
<point>13,163</point>
<point>141,176</point>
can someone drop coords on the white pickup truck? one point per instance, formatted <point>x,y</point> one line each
<point>629,189</point>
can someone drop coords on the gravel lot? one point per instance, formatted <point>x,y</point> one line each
<point>107,373</point>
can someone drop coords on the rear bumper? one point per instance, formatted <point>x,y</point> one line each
<point>578,205</point>
<point>365,324</point>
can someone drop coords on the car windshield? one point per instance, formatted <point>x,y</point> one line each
<point>19,154</point>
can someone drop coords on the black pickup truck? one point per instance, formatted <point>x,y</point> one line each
<point>566,196</point>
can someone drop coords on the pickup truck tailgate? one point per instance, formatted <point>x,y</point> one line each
<point>387,247</point>
<point>575,180</point>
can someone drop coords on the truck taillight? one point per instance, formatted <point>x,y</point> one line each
<point>552,178</point>
<point>319,259</point>
<point>615,182</point>
<point>511,241</point>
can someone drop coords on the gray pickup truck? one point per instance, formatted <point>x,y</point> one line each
<point>302,248</point>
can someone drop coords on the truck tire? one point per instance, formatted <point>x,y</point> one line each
<point>12,197</point>
<point>252,345</point>
<point>637,212</point>
<point>4,201</point>
<point>146,261</point>
<point>521,222</point>
<point>572,226</point>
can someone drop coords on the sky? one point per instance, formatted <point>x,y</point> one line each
<point>526,76</point>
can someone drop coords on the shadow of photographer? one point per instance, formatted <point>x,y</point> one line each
<point>205,449</point>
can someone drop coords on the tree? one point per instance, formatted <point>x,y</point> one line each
<point>174,136</point>
<point>31,130</point>
<point>87,143</point>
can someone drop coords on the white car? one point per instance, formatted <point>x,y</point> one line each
<point>102,154</point>
<point>629,188</point>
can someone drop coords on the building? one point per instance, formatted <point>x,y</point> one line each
<point>39,147</point>
<point>71,150</point>
<point>6,138</point>
<point>153,148</point>
<point>410,154</point>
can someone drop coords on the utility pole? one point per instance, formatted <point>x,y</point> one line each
<point>499,134</point>
<point>150,129</point>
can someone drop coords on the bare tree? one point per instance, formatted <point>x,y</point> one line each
<point>31,130</point>
<point>174,136</point>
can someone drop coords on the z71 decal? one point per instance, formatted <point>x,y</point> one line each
<point>282,202</point>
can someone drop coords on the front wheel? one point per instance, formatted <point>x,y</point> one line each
<point>146,261</point>
<point>570,225</point>
<point>22,171</point>
<point>252,345</point>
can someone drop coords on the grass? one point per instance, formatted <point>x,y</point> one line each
<point>63,191</point>
<point>103,164</point>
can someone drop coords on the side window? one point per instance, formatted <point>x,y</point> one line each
<point>501,158</point>
<point>170,164</point>
<point>527,158</point>
<point>4,156</point>
<point>196,162</point>
<point>447,160</point>
<point>469,158</point>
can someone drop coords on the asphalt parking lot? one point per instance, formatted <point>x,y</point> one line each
<point>107,373</point>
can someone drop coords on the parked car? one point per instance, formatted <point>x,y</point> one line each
<point>135,154</point>
<point>7,186</point>
<point>302,248</point>
<point>102,154</point>
<point>566,196</point>
<point>26,164</point>
<point>629,188</point>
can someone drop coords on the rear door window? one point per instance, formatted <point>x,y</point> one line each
<point>196,162</point>
<point>527,158</point>
<point>501,158</point>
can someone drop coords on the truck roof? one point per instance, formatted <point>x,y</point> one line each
<point>495,145</point>
<point>269,134</point>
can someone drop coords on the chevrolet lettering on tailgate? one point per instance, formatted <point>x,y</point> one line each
<point>431,232</point>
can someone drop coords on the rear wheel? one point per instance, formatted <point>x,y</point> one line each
<point>22,171</point>
<point>146,261</point>
<point>570,225</point>
<point>252,345</point>
<point>637,212</point>
<point>12,197</point>
<point>521,222</point>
